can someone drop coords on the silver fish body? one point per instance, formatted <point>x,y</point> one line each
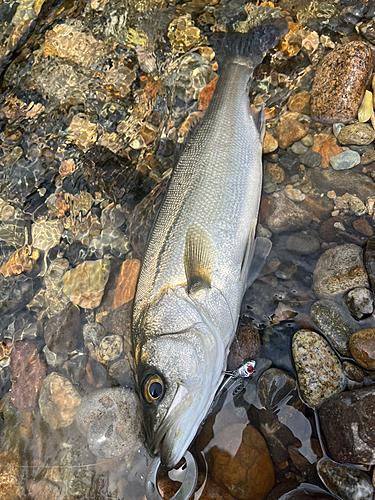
<point>195,268</point>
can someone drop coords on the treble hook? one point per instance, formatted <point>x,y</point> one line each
<point>187,487</point>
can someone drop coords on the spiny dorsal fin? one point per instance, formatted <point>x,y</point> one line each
<point>198,259</point>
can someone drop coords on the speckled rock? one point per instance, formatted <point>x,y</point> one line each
<point>62,332</point>
<point>368,157</point>
<point>353,372</point>
<point>358,133</point>
<point>319,371</point>
<point>28,372</point>
<point>338,270</point>
<point>93,333</point>
<point>357,206</point>
<point>348,425</point>
<point>344,71</point>
<point>335,323</point>
<point>110,348</point>
<point>342,182</point>
<point>284,215</point>
<point>344,481</point>
<point>294,194</point>
<point>246,346</point>
<point>10,488</point>
<point>362,348</point>
<point>58,401</point>
<point>243,468</point>
<point>84,285</point>
<point>345,160</point>
<point>110,418</point>
<point>304,244</point>
<point>290,129</point>
<point>360,302</point>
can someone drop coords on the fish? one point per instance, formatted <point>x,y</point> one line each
<point>201,256</point>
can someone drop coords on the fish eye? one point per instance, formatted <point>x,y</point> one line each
<point>153,388</point>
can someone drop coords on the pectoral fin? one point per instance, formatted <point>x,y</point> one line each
<point>261,250</point>
<point>259,118</point>
<point>198,259</point>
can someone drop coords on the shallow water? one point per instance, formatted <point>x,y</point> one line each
<point>96,97</point>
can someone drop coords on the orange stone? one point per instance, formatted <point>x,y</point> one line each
<point>290,129</point>
<point>326,145</point>
<point>127,281</point>
<point>205,94</point>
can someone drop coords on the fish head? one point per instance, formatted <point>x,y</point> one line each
<point>177,376</point>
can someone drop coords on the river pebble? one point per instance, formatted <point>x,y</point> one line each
<point>360,302</point>
<point>366,108</point>
<point>344,71</point>
<point>353,372</point>
<point>299,102</point>
<point>358,133</point>
<point>294,194</point>
<point>363,227</point>
<point>290,129</point>
<point>345,160</point>
<point>270,144</point>
<point>62,332</point>
<point>245,347</point>
<point>357,206</point>
<point>343,181</point>
<point>298,148</point>
<point>110,348</point>
<point>303,244</point>
<point>362,348</point>
<point>344,481</point>
<point>84,285</point>
<point>338,270</point>
<point>368,157</point>
<point>348,425</point>
<point>58,401</point>
<point>319,371</point>
<point>326,145</point>
<point>335,323</point>
<point>93,333</point>
<point>126,282</point>
<point>369,260</point>
<point>284,215</point>
<point>311,159</point>
<point>111,420</point>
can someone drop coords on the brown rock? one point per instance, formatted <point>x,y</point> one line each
<point>363,227</point>
<point>368,157</point>
<point>362,347</point>
<point>28,373</point>
<point>206,94</point>
<point>270,144</point>
<point>246,472</point>
<point>353,372</point>
<point>290,129</point>
<point>300,103</point>
<point>284,215</point>
<point>326,146</point>
<point>127,281</point>
<point>9,473</point>
<point>330,228</point>
<point>246,346</point>
<point>360,134</point>
<point>211,490</point>
<point>340,82</point>
<point>62,332</point>
<point>22,260</point>
<point>43,489</point>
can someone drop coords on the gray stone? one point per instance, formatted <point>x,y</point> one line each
<point>298,148</point>
<point>345,160</point>
<point>93,333</point>
<point>348,425</point>
<point>62,332</point>
<point>344,481</point>
<point>335,323</point>
<point>343,181</point>
<point>338,270</point>
<point>302,243</point>
<point>308,140</point>
<point>360,302</point>
<point>319,371</point>
<point>311,159</point>
<point>284,215</point>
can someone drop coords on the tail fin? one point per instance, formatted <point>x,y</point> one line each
<point>250,48</point>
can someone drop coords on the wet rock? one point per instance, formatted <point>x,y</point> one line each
<point>118,321</point>
<point>193,75</point>
<point>368,157</point>
<point>301,243</point>
<point>10,488</point>
<point>58,401</point>
<point>363,227</point>
<point>245,347</point>
<point>182,33</point>
<point>93,333</point>
<point>294,194</point>
<point>347,422</point>
<point>311,159</point>
<point>290,129</point>
<point>121,371</point>
<point>22,260</point>
<point>126,283</point>
<point>338,270</point>
<point>366,108</point>
<point>110,418</point>
<point>344,71</point>
<point>15,293</point>
<point>362,348</point>
<point>82,132</point>
<point>369,260</point>
<point>353,372</point>
<point>326,146</point>
<point>45,235</point>
<point>360,302</point>
<point>299,102</point>
<point>84,285</point>
<point>28,372</point>
<point>62,332</point>
<point>298,148</point>
<point>110,348</point>
<point>274,173</point>
<point>357,206</point>
<point>319,371</point>
<point>270,144</point>
<point>284,215</point>
<point>12,231</point>
<point>243,468</point>
<point>289,162</point>
<point>343,182</point>
<point>345,160</point>
<point>358,133</point>
<point>345,482</point>
<point>321,207</point>
<point>44,489</point>
<point>335,323</point>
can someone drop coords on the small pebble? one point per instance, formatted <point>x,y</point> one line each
<point>337,127</point>
<point>368,157</point>
<point>308,140</point>
<point>294,194</point>
<point>357,206</point>
<point>360,302</point>
<point>311,159</point>
<point>353,372</point>
<point>363,227</point>
<point>358,133</point>
<point>304,244</point>
<point>298,148</point>
<point>345,160</point>
<point>362,348</point>
<point>331,195</point>
<point>110,348</point>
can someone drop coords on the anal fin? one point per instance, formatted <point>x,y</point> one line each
<point>198,259</point>
<point>262,247</point>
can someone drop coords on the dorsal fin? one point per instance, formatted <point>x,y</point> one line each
<point>198,258</point>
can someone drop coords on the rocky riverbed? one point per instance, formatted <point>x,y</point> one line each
<point>96,96</point>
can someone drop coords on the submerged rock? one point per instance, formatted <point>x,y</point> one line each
<point>84,285</point>
<point>62,332</point>
<point>362,348</point>
<point>126,283</point>
<point>342,72</point>
<point>348,424</point>
<point>343,181</point>
<point>245,347</point>
<point>319,371</point>
<point>369,259</point>
<point>301,243</point>
<point>110,348</point>
<point>345,160</point>
<point>360,302</point>
<point>290,129</point>
<point>358,133</point>
<point>338,270</point>
<point>284,215</point>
